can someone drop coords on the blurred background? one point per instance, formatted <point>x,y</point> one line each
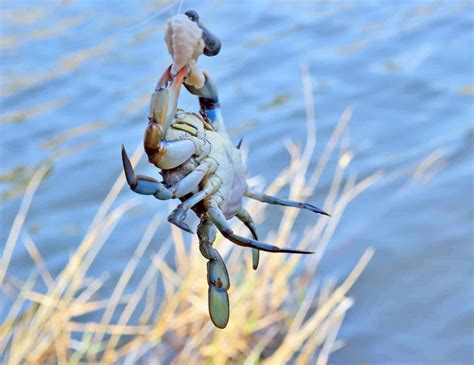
<point>76,77</point>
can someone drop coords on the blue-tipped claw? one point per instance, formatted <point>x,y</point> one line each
<point>141,184</point>
<point>127,167</point>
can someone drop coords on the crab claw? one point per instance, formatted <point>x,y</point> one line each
<point>141,184</point>
<point>163,106</point>
<point>128,168</point>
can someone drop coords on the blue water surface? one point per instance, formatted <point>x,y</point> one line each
<point>406,69</point>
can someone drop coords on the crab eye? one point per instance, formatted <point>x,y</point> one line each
<point>192,17</point>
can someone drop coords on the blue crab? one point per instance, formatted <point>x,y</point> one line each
<point>200,166</point>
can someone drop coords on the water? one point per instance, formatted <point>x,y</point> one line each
<point>405,67</point>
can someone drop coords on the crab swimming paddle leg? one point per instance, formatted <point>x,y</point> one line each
<point>217,276</point>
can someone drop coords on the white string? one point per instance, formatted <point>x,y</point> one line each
<point>154,16</point>
<point>180,7</point>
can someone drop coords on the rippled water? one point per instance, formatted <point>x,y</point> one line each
<point>76,78</point>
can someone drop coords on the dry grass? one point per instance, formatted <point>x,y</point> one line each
<point>281,313</point>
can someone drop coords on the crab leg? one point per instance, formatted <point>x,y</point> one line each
<point>163,105</point>
<point>164,100</point>
<point>167,155</point>
<point>178,215</point>
<point>217,276</point>
<point>171,154</point>
<point>141,184</point>
<point>246,219</point>
<point>209,102</point>
<point>278,201</point>
<point>148,186</point>
<point>218,218</point>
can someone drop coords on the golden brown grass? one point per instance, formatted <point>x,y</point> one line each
<point>282,312</point>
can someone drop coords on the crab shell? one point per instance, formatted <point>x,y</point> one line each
<point>231,170</point>
<point>185,44</point>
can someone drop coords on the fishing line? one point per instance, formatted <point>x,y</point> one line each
<point>180,7</point>
<point>154,16</point>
